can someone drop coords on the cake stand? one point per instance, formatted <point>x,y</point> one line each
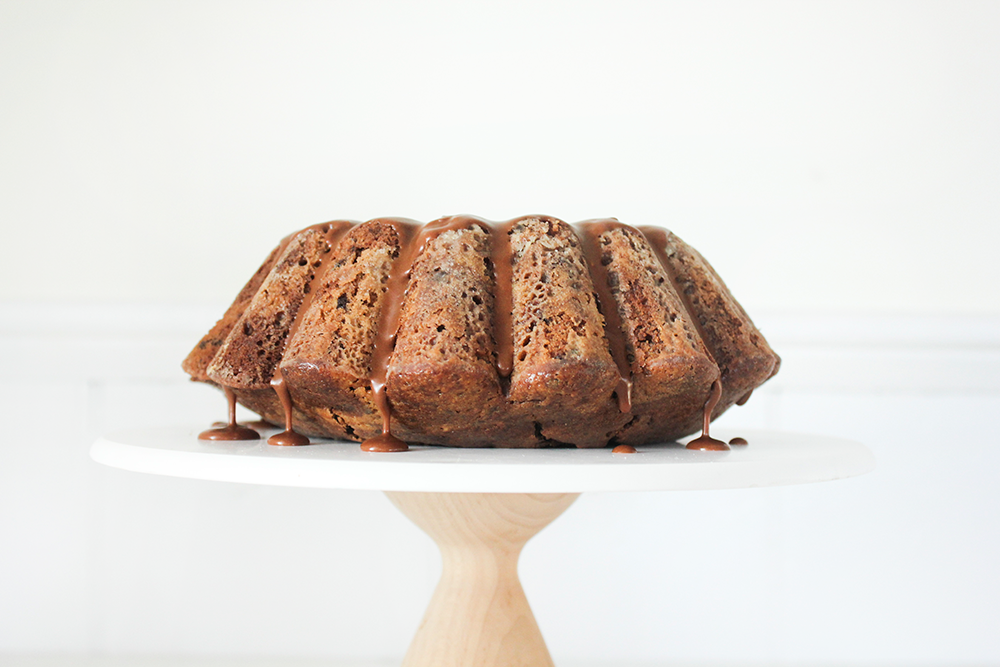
<point>482,506</point>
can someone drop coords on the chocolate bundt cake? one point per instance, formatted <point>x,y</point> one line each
<point>461,332</point>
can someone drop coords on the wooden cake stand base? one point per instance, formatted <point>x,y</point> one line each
<point>478,614</point>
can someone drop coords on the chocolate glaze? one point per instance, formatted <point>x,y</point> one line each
<point>258,424</point>
<point>739,441</point>
<point>384,442</point>
<point>705,441</point>
<point>334,232</point>
<point>744,398</point>
<point>589,233</point>
<point>232,430</point>
<point>288,437</point>
<point>623,449</point>
<point>388,325</point>
<point>503,296</point>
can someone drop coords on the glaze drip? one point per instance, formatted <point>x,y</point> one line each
<point>706,442</point>
<point>384,442</point>
<point>410,246</point>
<point>288,437</point>
<point>501,257</point>
<point>232,430</point>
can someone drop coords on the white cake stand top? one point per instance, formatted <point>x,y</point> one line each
<point>771,459</point>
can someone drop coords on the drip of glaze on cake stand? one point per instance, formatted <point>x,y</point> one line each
<point>288,437</point>
<point>385,335</point>
<point>706,442</point>
<point>231,431</point>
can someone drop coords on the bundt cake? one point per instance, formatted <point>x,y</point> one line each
<point>462,332</point>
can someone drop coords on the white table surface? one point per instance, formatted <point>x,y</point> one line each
<point>772,458</point>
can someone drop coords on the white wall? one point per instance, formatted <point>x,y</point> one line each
<point>825,156</point>
<point>837,162</point>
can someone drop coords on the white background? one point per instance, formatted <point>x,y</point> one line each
<point>838,163</point>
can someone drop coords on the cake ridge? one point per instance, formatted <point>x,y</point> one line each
<point>653,236</point>
<point>589,232</point>
<point>737,352</point>
<point>262,339</point>
<point>197,362</point>
<point>398,287</point>
<point>657,238</point>
<point>335,231</point>
<point>500,261</point>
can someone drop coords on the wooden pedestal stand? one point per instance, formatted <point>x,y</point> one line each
<point>479,615</point>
